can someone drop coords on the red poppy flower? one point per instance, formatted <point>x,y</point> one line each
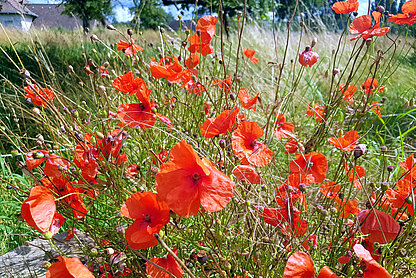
<point>348,92</point>
<point>345,7</point>
<point>373,268</point>
<point>378,226</point>
<point>408,16</point>
<point>371,84</point>
<point>246,100</point>
<point>289,192</point>
<point>247,148</point>
<point>168,263</point>
<point>346,143</point>
<point>308,57</point>
<point>137,114</point>
<point>39,211</point>
<point>291,146</point>
<point>170,69</point>
<point>207,24</point>
<point>274,216</point>
<point>250,54</point>
<point>221,124</point>
<point>409,167</point>
<point>313,165</point>
<point>192,61</point>
<point>55,166</point>
<point>200,44</point>
<point>130,85</point>
<point>68,268</point>
<point>150,214</point>
<point>345,209</point>
<point>330,189</point>
<point>39,96</point>
<point>128,48</point>
<point>299,265</point>
<point>194,87</point>
<point>247,173</point>
<point>187,182</point>
<point>354,175</point>
<point>283,129</point>
<point>376,108</point>
<point>224,84</point>
<point>110,146</point>
<point>85,158</point>
<point>165,120</point>
<point>316,111</point>
<point>311,240</point>
<point>403,196</point>
<point>361,26</point>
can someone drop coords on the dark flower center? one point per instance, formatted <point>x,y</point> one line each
<point>196,176</point>
<point>147,218</point>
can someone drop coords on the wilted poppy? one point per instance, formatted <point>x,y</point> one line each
<point>371,84</point>
<point>408,16</point>
<point>283,129</point>
<point>348,92</point>
<point>168,263</point>
<point>39,211</point>
<point>39,96</point>
<point>361,26</point>
<point>330,189</point>
<point>346,143</point>
<point>316,111</point>
<point>355,175</point>
<point>378,226</point>
<point>308,57</point>
<point>128,48</point>
<point>373,268</point>
<point>192,61</point>
<point>403,196</point>
<point>221,124</point>
<point>68,268</point>
<point>150,214</point>
<point>187,182</point>
<point>247,148</point>
<point>128,84</point>
<point>345,7</point>
<point>300,265</point>
<point>246,100</point>
<point>312,165</point>
<point>247,173</point>
<point>250,54</point>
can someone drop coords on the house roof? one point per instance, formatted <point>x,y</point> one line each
<point>15,7</point>
<point>50,15</point>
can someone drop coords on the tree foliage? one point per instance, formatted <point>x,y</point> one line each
<point>88,10</point>
<point>148,14</point>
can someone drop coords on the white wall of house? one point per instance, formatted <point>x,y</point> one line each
<point>16,21</point>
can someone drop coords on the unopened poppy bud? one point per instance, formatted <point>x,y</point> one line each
<point>383,99</point>
<point>48,235</point>
<point>324,212</point>
<point>110,27</point>
<point>36,111</point>
<point>94,251</point>
<point>341,195</point>
<point>94,38</point>
<point>314,41</point>
<point>319,207</point>
<point>232,96</point>
<point>390,168</point>
<point>380,9</point>
<point>376,245</point>
<point>360,150</point>
<point>307,48</point>
<point>14,152</point>
<point>129,32</point>
<point>220,62</point>
<point>24,73</point>
<point>106,64</point>
<point>187,32</point>
<point>154,170</point>
<point>302,187</point>
<point>368,42</point>
<point>355,13</point>
<point>101,89</point>
<point>383,148</point>
<point>46,265</point>
<point>109,251</point>
<point>38,155</point>
<point>179,58</point>
<point>40,140</point>
<point>161,29</point>
<point>335,72</point>
<point>99,135</point>
<point>179,17</point>
<point>384,185</point>
<point>239,14</point>
<point>94,51</point>
<point>222,143</point>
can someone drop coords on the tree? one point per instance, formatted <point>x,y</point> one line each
<point>88,10</point>
<point>148,14</point>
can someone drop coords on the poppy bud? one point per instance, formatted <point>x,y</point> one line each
<point>101,89</point>
<point>161,29</point>
<point>341,195</point>
<point>314,41</point>
<point>302,187</point>
<point>380,9</point>
<point>150,44</point>
<point>354,13</point>
<point>14,152</point>
<point>94,51</point>
<point>384,185</point>
<point>36,111</point>
<point>46,265</point>
<point>383,148</point>
<point>383,99</point>
<point>110,27</point>
<point>40,140</point>
<point>109,251</point>
<point>360,150</point>
<point>48,235</point>
<point>324,212</point>
<point>335,72</point>
<point>129,32</point>
<point>94,38</point>
<point>24,73</point>
<point>390,168</point>
<point>222,143</point>
<point>232,96</point>
<point>187,32</point>
<point>99,135</point>
<point>402,252</point>
<point>220,62</point>
<point>154,170</point>
<point>368,42</point>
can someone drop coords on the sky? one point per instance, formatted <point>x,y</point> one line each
<point>122,13</point>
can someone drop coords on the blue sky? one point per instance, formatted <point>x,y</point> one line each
<point>122,13</point>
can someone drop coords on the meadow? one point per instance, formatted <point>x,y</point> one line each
<point>231,163</point>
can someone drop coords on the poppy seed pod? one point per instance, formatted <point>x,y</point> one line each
<point>314,41</point>
<point>129,32</point>
<point>360,150</point>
